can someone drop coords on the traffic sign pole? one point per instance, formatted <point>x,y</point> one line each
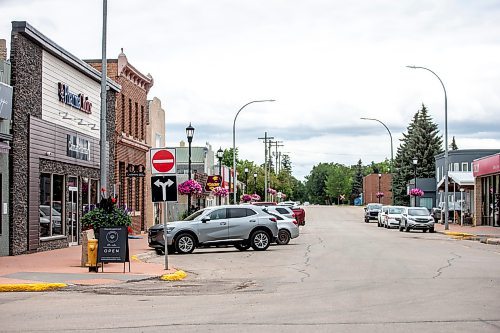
<point>165,207</point>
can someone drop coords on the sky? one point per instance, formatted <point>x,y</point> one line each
<point>327,63</point>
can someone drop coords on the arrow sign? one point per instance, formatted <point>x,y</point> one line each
<point>164,188</point>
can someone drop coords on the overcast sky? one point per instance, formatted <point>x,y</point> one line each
<point>327,63</point>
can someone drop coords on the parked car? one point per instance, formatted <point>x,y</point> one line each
<point>300,213</point>
<point>371,211</point>
<point>243,226</point>
<point>417,218</point>
<point>381,216</point>
<point>45,212</point>
<point>436,214</point>
<point>288,228</point>
<point>283,210</point>
<point>393,217</point>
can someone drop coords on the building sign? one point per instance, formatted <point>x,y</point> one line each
<point>5,101</point>
<point>78,101</point>
<point>113,245</point>
<point>213,182</point>
<point>136,171</point>
<point>486,166</point>
<point>78,147</point>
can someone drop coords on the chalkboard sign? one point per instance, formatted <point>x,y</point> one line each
<point>113,245</point>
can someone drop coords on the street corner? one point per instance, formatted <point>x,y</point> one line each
<point>177,276</point>
<point>31,287</point>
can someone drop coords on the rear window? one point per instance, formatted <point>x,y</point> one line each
<point>275,215</point>
<point>236,212</point>
<point>250,212</point>
<point>282,210</point>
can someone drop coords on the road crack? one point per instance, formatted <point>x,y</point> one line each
<point>449,264</point>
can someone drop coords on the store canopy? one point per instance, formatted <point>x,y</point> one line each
<point>458,179</point>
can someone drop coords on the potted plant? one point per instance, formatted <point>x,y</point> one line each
<point>246,198</point>
<point>416,192</point>
<point>190,186</point>
<point>220,192</point>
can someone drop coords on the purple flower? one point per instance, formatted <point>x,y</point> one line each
<point>380,194</point>
<point>220,192</point>
<point>246,198</point>
<point>416,192</point>
<point>190,187</point>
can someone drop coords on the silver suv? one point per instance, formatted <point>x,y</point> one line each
<point>243,226</point>
<point>417,218</point>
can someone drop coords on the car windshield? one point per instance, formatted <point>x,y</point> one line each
<point>418,212</point>
<point>395,210</point>
<point>194,215</point>
<point>374,207</point>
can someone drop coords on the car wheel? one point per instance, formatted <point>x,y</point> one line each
<point>407,229</point>
<point>424,230</point>
<point>400,229</point>
<point>431,230</point>
<point>184,244</point>
<point>171,249</point>
<point>260,240</point>
<point>242,246</point>
<point>283,237</point>
<point>366,220</point>
<point>159,252</point>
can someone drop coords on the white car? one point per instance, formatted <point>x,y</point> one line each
<point>282,210</point>
<point>288,228</point>
<point>393,217</point>
<point>381,216</point>
<point>417,218</point>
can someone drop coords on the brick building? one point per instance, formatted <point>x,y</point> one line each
<point>371,187</point>
<point>130,134</point>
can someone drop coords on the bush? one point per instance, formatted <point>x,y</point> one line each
<point>106,215</point>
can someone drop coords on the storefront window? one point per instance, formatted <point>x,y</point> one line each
<point>94,192</point>
<point>51,204</point>
<point>85,195</point>
<point>491,200</point>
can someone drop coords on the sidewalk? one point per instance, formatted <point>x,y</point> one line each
<point>63,266</point>
<point>486,234</point>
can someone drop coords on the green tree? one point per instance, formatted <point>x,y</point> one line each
<point>338,181</point>
<point>357,182</point>
<point>453,145</point>
<point>315,183</point>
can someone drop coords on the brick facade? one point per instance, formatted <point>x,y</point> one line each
<point>371,187</point>
<point>130,134</point>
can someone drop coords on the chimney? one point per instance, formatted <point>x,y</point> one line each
<point>3,49</point>
<point>182,144</point>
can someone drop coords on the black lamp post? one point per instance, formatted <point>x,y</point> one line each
<point>379,176</point>
<point>415,162</point>
<point>189,134</point>
<point>220,154</point>
<point>255,183</point>
<point>246,180</point>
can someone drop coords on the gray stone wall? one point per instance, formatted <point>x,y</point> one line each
<point>4,187</point>
<point>110,136</point>
<point>26,59</point>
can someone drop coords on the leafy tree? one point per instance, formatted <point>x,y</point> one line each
<point>338,181</point>
<point>315,183</point>
<point>453,145</point>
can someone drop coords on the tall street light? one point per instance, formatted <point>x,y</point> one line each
<point>103,160</point>
<point>392,154</point>
<point>234,142</point>
<point>189,134</point>
<point>446,212</point>
<point>415,162</point>
<point>255,183</point>
<point>220,154</point>
<point>246,180</point>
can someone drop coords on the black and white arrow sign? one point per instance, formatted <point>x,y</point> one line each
<point>164,188</point>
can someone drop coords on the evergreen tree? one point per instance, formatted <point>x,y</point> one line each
<point>453,145</point>
<point>357,183</point>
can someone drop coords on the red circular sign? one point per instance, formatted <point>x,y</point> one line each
<point>163,161</point>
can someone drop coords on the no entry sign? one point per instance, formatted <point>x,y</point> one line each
<point>163,161</point>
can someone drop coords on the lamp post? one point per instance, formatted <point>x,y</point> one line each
<point>246,180</point>
<point>446,210</point>
<point>392,153</point>
<point>462,206</point>
<point>234,142</point>
<point>220,154</point>
<point>189,134</point>
<point>415,162</point>
<point>255,183</point>
<point>379,176</point>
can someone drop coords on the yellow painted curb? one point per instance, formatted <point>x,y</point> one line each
<point>458,234</point>
<point>31,287</point>
<point>134,257</point>
<point>177,276</point>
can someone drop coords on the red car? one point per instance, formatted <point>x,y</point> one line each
<point>300,213</point>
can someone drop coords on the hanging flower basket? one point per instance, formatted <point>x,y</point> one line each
<point>416,192</point>
<point>190,187</point>
<point>272,191</point>
<point>255,197</point>
<point>220,192</point>
<point>380,194</point>
<point>283,196</point>
<point>246,198</point>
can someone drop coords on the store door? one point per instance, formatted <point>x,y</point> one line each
<point>72,226</point>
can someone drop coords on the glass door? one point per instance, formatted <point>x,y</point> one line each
<point>72,211</point>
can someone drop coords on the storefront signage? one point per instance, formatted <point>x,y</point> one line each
<point>5,101</point>
<point>213,182</point>
<point>78,147</point>
<point>78,101</point>
<point>113,244</point>
<point>486,166</point>
<point>136,171</point>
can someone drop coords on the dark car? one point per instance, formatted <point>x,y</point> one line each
<point>371,211</point>
<point>436,214</point>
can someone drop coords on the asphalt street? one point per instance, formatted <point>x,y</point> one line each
<point>340,275</point>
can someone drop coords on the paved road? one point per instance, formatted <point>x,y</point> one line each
<point>340,275</point>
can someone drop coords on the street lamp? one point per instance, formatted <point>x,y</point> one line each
<point>189,134</point>
<point>255,183</point>
<point>392,154</point>
<point>446,212</point>
<point>462,206</point>
<point>220,154</point>
<point>415,162</point>
<point>234,142</point>
<point>379,176</point>
<point>246,180</point>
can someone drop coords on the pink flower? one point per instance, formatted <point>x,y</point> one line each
<point>190,187</point>
<point>220,192</point>
<point>416,192</point>
<point>380,194</point>
<point>246,198</point>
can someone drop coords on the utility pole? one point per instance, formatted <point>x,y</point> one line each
<point>276,145</point>
<point>265,138</point>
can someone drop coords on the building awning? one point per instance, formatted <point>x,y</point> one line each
<point>460,179</point>
<point>4,148</point>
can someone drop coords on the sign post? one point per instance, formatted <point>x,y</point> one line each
<point>164,183</point>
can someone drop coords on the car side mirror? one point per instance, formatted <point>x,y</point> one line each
<point>205,219</point>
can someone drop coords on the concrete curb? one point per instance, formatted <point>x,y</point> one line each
<point>20,287</point>
<point>492,241</point>
<point>177,276</point>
